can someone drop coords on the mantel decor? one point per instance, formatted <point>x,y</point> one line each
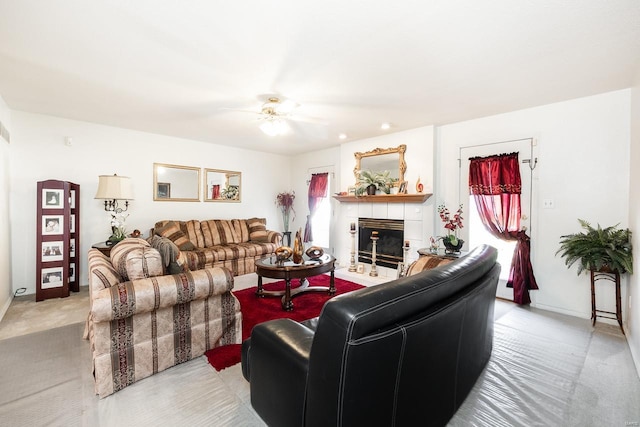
<point>384,198</point>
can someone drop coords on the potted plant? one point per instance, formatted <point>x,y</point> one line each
<point>369,182</point>
<point>452,243</point>
<point>598,249</point>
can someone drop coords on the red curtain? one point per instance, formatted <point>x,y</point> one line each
<point>495,184</point>
<point>317,191</point>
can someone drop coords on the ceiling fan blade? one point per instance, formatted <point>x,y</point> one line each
<point>310,130</point>
<point>307,119</point>
<point>239,110</point>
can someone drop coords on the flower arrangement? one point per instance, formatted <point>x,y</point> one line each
<point>117,227</point>
<point>452,224</point>
<point>285,202</point>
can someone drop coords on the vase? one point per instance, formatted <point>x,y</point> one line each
<point>298,248</point>
<point>452,249</point>
<point>285,220</point>
<point>371,189</point>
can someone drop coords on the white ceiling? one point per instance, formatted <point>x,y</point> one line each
<point>172,67</point>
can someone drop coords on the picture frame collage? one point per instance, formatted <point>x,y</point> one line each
<point>57,239</point>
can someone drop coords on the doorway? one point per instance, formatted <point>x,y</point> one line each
<point>321,220</point>
<point>477,234</point>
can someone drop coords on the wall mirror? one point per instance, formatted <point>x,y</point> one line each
<point>382,159</point>
<point>176,183</point>
<point>222,185</point>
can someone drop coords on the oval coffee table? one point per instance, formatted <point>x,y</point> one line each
<point>268,267</point>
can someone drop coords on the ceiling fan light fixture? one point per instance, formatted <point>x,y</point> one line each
<point>274,127</point>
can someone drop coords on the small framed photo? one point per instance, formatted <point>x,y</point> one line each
<point>72,225</point>
<point>52,198</point>
<point>72,199</point>
<point>52,251</point>
<point>52,224</point>
<point>360,268</point>
<point>72,272</point>
<point>164,190</point>
<point>51,278</point>
<point>351,190</point>
<point>72,248</point>
<point>403,188</point>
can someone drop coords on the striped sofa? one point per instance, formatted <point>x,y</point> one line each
<point>231,243</point>
<point>142,321</point>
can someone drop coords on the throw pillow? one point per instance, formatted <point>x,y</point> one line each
<point>172,231</point>
<point>218,232</point>
<point>258,230</point>
<point>426,262</point>
<point>142,263</point>
<point>119,253</point>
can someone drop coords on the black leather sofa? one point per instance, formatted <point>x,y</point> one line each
<point>403,353</point>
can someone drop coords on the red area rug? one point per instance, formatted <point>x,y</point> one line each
<point>256,310</point>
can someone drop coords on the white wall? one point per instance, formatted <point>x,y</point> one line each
<point>6,292</point>
<point>633,307</point>
<point>583,165</point>
<point>38,152</point>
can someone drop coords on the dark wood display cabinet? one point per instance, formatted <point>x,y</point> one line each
<point>58,239</point>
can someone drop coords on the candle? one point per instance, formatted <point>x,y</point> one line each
<point>374,234</point>
<point>353,226</point>
<point>406,243</point>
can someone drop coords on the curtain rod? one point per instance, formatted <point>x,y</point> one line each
<point>322,168</point>
<point>495,143</point>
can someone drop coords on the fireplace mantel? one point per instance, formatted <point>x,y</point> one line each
<point>385,198</point>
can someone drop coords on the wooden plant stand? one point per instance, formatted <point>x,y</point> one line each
<point>612,276</point>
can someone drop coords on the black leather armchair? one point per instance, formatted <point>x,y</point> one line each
<point>404,353</point>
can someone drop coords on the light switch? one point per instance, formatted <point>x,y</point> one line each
<point>548,204</point>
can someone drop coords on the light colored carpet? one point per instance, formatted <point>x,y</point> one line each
<point>547,369</point>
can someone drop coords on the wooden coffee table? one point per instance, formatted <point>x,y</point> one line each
<point>268,267</point>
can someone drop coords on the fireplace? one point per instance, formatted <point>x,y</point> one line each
<point>389,247</point>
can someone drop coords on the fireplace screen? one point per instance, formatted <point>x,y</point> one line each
<point>389,247</point>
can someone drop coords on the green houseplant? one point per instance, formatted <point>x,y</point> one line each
<point>598,249</point>
<point>369,182</point>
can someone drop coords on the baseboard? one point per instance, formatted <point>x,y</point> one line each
<point>580,314</point>
<point>632,346</point>
<point>4,309</point>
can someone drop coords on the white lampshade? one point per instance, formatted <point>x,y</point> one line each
<point>114,187</point>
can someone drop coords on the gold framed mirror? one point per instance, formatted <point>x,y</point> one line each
<point>222,186</point>
<point>174,183</point>
<point>382,159</point>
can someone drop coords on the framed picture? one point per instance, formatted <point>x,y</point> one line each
<point>72,272</point>
<point>164,190</point>
<point>351,190</point>
<point>52,224</point>
<point>72,226</point>
<point>51,278</point>
<point>72,199</point>
<point>52,198</point>
<point>52,251</point>
<point>403,188</point>
<point>72,248</point>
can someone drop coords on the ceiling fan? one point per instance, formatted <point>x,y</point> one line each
<point>274,112</point>
<point>277,112</point>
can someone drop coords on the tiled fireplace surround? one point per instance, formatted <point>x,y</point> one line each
<point>416,229</point>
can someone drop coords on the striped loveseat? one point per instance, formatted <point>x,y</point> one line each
<point>142,321</point>
<point>231,243</point>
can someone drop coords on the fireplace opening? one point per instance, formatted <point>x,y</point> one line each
<point>390,240</point>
